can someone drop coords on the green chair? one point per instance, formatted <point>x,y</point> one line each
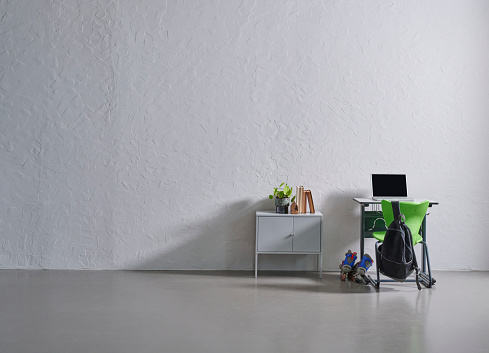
<point>414,213</point>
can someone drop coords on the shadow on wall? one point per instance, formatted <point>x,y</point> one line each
<point>341,228</point>
<point>225,241</point>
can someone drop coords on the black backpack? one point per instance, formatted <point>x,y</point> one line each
<point>395,256</point>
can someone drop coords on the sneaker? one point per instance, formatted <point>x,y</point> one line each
<point>364,264</point>
<point>349,261</point>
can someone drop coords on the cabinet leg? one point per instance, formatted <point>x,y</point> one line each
<point>321,266</point>
<point>256,265</point>
<point>320,261</point>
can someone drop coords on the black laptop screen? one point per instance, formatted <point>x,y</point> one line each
<point>390,185</point>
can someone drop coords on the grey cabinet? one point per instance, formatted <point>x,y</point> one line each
<point>288,234</point>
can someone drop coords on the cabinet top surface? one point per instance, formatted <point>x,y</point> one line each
<point>274,214</point>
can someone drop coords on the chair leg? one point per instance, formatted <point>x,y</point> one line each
<point>430,280</point>
<point>378,262</point>
<point>427,279</point>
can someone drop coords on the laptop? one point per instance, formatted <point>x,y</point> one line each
<point>390,187</point>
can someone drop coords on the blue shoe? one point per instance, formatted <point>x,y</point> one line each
<point>348,262</point>
<point>364,264</point>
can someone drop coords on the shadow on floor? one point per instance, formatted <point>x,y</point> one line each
<point>301,281</point>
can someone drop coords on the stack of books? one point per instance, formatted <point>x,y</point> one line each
<point>303,197</point>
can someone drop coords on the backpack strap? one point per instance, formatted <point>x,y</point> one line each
<point>416,268</point>
<point>396,209</point>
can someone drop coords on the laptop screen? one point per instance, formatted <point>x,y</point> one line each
<point>389,185</point>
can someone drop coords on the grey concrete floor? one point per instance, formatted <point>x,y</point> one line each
<point>153,311</point>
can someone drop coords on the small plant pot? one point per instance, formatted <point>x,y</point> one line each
<point>282,205</point>
<point>282,209</point>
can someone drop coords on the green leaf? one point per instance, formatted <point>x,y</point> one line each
<point>285,192</point>
<point>270,197</point>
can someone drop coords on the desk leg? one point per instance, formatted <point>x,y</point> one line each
<point>362,232</point>
<point>423,257</point>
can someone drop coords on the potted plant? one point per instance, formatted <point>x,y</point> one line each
<point>282,195</point>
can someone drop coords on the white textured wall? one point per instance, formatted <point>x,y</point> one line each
<point>145,134</point>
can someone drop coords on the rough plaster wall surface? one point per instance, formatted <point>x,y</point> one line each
<point>145,134</point>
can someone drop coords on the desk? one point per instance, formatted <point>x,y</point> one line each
<point>367,222</point>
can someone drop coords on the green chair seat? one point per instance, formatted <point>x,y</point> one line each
<point>414,213</point>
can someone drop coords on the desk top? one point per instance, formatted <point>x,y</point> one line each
<point>369,201</point>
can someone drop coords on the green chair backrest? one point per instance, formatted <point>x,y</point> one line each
<point>413,211</point>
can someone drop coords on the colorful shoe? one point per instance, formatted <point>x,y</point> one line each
<point>354,275</point>
<point>364,264</point>
<point>349,261</point>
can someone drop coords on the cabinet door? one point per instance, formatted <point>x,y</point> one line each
<point>275,233</point>
<point>307,236</point>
